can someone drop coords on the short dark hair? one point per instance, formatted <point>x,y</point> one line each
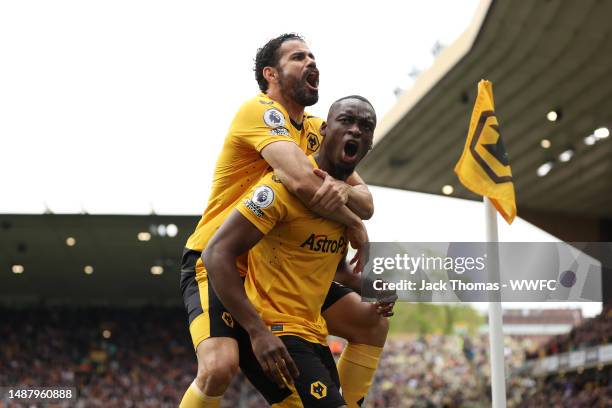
<point>267,56</point>
<point>359,97</point>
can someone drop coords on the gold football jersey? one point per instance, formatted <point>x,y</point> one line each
<point>259,122</point>
<point>291,269</point>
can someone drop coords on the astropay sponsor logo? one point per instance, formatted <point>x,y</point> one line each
<point>321,243</point>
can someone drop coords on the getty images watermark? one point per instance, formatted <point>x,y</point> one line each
<point>482,272</point>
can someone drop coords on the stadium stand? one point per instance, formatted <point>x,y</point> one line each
<point>592,332</point>
<point>589,388</point>
<point>146,361</point>
<point>141,357</point>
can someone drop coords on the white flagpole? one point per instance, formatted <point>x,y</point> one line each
<point>496,334</point>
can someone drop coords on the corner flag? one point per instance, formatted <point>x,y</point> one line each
<point>484,167</point>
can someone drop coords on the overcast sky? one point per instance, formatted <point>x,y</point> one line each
<point>122,106</point>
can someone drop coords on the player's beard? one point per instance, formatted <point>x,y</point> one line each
<point>298,91</point>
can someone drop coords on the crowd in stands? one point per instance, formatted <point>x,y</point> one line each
<point>113,357</point>
<point>592,332</point>
<point>438,371</point>
<point>144,358</point>
<point>591,388</point>
<point>585,388</point>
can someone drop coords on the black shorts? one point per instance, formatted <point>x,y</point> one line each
<point>207,315</point>
<point>317,386</point>
<point>336,291</point>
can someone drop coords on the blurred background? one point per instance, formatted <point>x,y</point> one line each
<point>111,118</point>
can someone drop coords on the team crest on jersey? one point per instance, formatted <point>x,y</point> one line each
<point>227,319</point>
<point>318,390</point>
<point>313,142</point>
<point>279,131</point>
<point>274,118</point>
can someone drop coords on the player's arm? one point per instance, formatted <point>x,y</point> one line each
<point>259,126</point>
<point>236,236</point>
<point>345,276</point>
<point>358,196</point>
<point>316,189</point>
<point>296,173</point>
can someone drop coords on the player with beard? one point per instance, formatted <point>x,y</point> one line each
<point>272,130</point>
<point>292,258</point>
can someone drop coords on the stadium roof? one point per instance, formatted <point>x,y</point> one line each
<point>114,260</point>
<point>541,56</point>
<point>125,266</point>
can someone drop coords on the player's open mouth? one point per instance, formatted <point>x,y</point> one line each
<point>312,79</point>
<point>350,150</point>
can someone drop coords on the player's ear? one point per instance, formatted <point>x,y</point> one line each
<point>270,74</point>
<point>323,129</point>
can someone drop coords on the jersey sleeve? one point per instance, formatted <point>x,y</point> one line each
<point>265,204</point>
<point>257,124</point>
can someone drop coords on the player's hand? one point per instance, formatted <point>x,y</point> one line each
<point>358,237</point>
<point>274,358</point>
<point>385,304</point>
<point>385,309</point>
<point>385,301</point>
<point>332,194</point>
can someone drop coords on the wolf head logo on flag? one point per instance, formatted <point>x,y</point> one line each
<point>484,167</point>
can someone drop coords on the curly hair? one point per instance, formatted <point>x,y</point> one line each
<point>267,56</point>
